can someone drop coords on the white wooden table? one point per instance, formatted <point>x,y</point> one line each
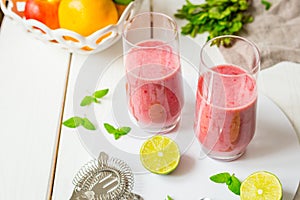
<point>37,84</point>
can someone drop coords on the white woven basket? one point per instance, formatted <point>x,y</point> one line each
<point>93,43</point>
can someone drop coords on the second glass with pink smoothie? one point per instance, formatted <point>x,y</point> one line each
<point>226,97</point>
<point>153,72</point>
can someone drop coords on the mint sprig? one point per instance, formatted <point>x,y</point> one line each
<point>231,181</point>
<point>94,98</point>
<point>76,121</point>
<point>169,198</point>
<point>117,132</point>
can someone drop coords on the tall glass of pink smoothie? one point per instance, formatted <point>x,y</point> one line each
<point>154,84</point>
<point>226,99</point>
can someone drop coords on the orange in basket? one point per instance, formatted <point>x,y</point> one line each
<point>86,16</point>
<point>120,8</point>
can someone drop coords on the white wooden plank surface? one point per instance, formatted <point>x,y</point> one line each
<point>32,76</point>
<point>72,154</point>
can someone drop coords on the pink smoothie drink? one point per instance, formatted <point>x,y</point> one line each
<point>226,111</point>
<point>154,85</point>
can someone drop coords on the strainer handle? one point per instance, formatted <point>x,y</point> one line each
<point>102,159</point>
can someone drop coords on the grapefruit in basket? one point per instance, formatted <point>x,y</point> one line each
<point>86,16</point>
<point>44,11</point>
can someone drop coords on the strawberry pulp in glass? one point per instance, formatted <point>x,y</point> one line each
<point>154,85</point>
<point>226,109</point>
<point>226,97</point>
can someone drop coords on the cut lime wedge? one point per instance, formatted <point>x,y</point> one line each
<point>261,185</point>
<point>160,155</point>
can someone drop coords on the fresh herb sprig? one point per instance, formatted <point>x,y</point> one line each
<point>169,198</point>
<point>217,17</point>
<point>94,98</point>
<point>231,181</point>
<point>117,132</point>
<point>76,121</point>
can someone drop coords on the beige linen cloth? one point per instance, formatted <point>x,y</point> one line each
<point>276,32</point>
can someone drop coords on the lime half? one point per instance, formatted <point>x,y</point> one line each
<point>261,185</point>
<point>160,155</point>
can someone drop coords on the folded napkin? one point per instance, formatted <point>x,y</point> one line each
<point>276,32</point>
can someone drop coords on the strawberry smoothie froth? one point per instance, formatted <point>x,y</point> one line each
<point>154,85</point>
<point>225,115</point>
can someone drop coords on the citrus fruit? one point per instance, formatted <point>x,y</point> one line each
<point>44,11</point>
<point>160,155</point>
<point>261,185</point>
<point>86,16</point>
<point>120,8</point>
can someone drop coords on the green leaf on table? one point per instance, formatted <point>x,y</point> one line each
<point>100,93</point>
<point>88,124</point>
<point>124,130</point>
<point>117,132</point>
<point>169,198</point>
<point>117,136</point>
<point>267,4</point>
<point>109,128</point>
<point>235,185</point>
<point>220,178</point>
<point>87,100</point>
<point>232,182</point>
<point>73,122</point>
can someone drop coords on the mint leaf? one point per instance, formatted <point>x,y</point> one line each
<point>124,130</point>
<point>169,198</point>
<point>117,132</point>
<point>266,4</point>
<point>73,122</point>
<point>100,93</point>
<point>234,185</point>
<point>88,124</point>
<point>109,128</point>
<point>87,100</point>
<point>117,136</point>
<point>220,178</point>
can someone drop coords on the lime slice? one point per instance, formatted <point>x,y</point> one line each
<point>160,155</point>
<point>261,185</point>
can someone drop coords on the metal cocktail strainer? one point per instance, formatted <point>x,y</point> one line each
<point>105,178</point>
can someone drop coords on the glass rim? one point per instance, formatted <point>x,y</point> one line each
<point>175,29</point>
<point>253,71</point>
